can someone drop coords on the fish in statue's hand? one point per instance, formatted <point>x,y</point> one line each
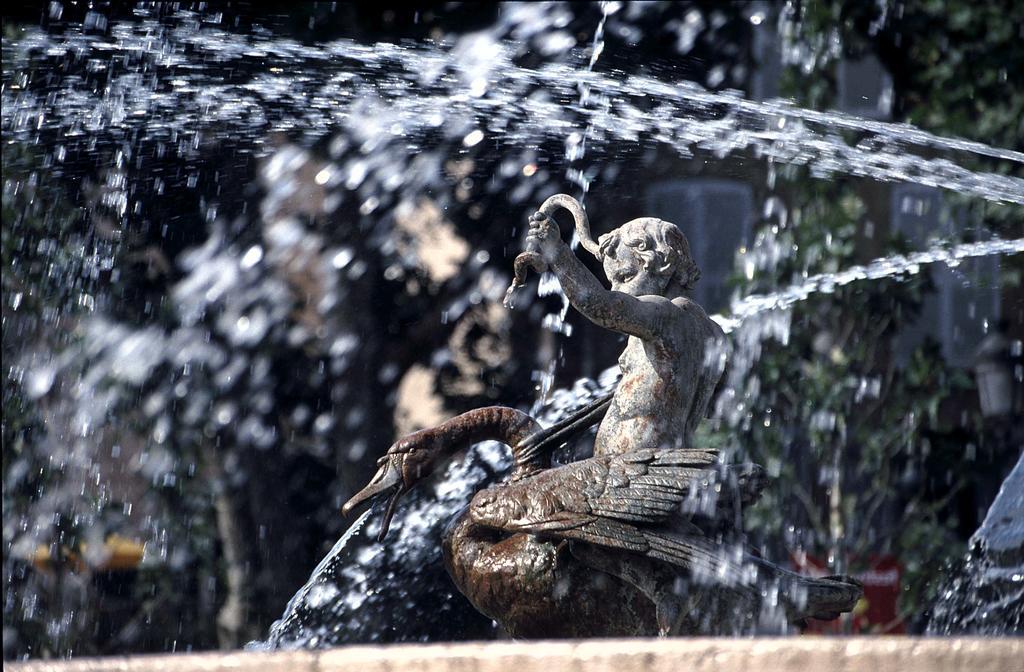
<point>530,259</point>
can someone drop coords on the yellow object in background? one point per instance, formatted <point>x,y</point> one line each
<point>119,554</point>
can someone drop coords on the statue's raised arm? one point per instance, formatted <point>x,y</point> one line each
<point>642,260</point>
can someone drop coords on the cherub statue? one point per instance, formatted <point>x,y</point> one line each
<point>673,358</point>
<point>601,547</point>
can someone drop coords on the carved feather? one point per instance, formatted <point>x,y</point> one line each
<point>625,501</point>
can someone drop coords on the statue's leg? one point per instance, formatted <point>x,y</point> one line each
<point>654,579</point>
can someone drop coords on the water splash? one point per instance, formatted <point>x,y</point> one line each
<point>385,93</point>
<point>575,152</point>
<point>986,595</point>
<point>315,591</point>
<point>897,264</point>
<point>399,590</point>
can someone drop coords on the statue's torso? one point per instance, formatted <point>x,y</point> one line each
<point>665,388</point>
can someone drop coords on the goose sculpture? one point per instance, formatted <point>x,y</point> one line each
<point>608,546</point>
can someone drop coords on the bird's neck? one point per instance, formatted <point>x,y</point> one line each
<point>493,423</point>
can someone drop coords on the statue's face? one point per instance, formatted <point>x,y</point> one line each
<point>624,266</point>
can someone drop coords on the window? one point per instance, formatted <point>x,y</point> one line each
<point>966,296</point>
<point>865,88</point>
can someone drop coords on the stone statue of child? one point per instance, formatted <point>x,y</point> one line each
<point>672,363</point>
<point>673,358</point>
<point>506,552</point>
<point>542,543</point>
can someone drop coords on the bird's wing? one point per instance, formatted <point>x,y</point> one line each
<point>618,501</point>
<point>647,486</point>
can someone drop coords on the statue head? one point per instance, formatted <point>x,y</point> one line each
<point>648,256</point>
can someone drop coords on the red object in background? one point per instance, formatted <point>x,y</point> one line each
<point>877,612</point>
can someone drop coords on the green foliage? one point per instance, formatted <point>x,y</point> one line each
<point>957,69</point>
<point>957,66</point>
<point>866,455</point>
<point>848,434</point>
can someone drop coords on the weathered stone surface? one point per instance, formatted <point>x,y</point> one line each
<point>802,654</point>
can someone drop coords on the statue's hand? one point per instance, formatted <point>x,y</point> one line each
<point>543,237</point>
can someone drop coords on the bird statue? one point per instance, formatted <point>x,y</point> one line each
<point>614,545</point>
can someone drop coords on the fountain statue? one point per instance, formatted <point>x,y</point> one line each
<point>643,537</point>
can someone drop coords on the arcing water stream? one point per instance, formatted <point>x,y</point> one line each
<point>139,108</point>
<point>147,80</point>
<point>894,265</point>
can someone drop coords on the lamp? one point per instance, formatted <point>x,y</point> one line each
<point>994,369</point>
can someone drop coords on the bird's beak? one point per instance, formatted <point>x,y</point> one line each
<point>387,477</point>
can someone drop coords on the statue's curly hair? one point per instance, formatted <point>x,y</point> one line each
<point>670,248</point>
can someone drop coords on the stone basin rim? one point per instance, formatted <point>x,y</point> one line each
<point>781,654</point>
